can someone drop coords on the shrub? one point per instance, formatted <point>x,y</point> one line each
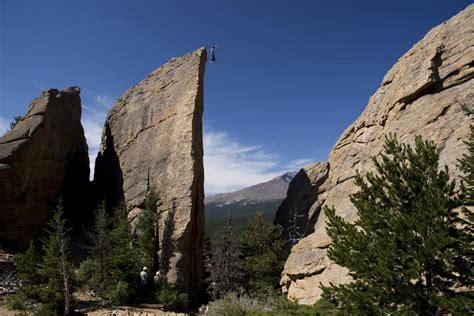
<point>47,310</point>
<point>19,301</point>
<point>121,293</point>
<point>273,304</point>
<point>86,273</point>
<point>171,299</point>
<point>229,306</point>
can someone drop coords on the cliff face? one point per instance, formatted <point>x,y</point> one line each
<point>422,94</point>
<point>43,158</point>
<point>153,138</point>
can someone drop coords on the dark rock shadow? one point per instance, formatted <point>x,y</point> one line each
<point>293,213</point>
<point>108,176</point>
<point>168,245</point>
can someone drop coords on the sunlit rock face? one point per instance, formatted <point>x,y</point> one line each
<point>152,138</point>
<point>423,94</point>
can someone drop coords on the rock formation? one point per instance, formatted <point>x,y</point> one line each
<point>422,94</point>
<point>296,212</point>
<point>153,139</point>
<point>44,157</point>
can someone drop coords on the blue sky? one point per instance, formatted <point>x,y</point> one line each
<point>291,75</point>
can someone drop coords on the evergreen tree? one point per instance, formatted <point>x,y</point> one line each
<point>263,254</point>
<point>57,267</point>
<point>168,245</point>
<point>401,251</point>
<point>27,269</point>
<point>295,229</point>
<point>147,231</point>
<point>122,257</point>
<point>225,276</point>
<point>466,259</point>
<point>207,262</point>
<point>98,249</point>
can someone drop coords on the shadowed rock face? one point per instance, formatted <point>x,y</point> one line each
<point>43,158</point>
<point>295,213</point>
<point>153,136</point>
<point>422,94</point>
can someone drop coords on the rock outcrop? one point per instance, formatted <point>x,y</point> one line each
<point>423,94</point>
<point>43,158</point>
<point>296,212</point>
<point>153,139</point>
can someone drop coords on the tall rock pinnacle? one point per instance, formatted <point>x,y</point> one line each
<point>423,94</point>
<point>153,139</point>
<point>42,159</point>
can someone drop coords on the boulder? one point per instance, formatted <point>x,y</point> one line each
<point>152,139</point>
<point>423,94</point>
<point>44,157</point>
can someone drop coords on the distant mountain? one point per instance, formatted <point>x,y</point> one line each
<point>266,191</point>
<point>242,204</point>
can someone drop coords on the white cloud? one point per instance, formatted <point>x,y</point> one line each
<point>104,100</point>
<point>297,164</point>
<point>230,165</point>
<point>4,126</point>
<point>93,119</point>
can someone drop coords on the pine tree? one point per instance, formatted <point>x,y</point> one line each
<point>466,259</point>
<point>168,245</point>
<point>225,276</point>
<point>57,267</point>
<point>27,269</point>
<point>401,251</point>
<point>147,231</point>
<point>122,256</point>
<point>263,254</point>
<point>207,263</point>
<point>295,230</point>
<point>99,247</point>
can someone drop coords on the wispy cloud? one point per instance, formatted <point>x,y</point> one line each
<point>230,165</point>
<point>297,164</point>
<point>93,120</point>
<point>104,100</point>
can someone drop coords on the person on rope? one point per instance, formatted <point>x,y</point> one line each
<point>213,54</point>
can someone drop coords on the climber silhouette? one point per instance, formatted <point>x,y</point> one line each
<point>213,54</point>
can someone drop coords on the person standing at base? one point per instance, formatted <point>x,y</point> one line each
<point>143,275</point>
<point>157,277</point>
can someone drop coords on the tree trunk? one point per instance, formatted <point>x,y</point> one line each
<point>65,275</point>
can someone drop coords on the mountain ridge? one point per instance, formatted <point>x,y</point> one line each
<point>273,189</point>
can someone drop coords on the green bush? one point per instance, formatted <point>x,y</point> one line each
<point>86,274</point>
<point>18,301</point>
<point>272,304</point>
<point>285,307</point>
<point>46,310</point>
<point>172,300</point>
<point>121,293</point>
<point>229,306</point>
